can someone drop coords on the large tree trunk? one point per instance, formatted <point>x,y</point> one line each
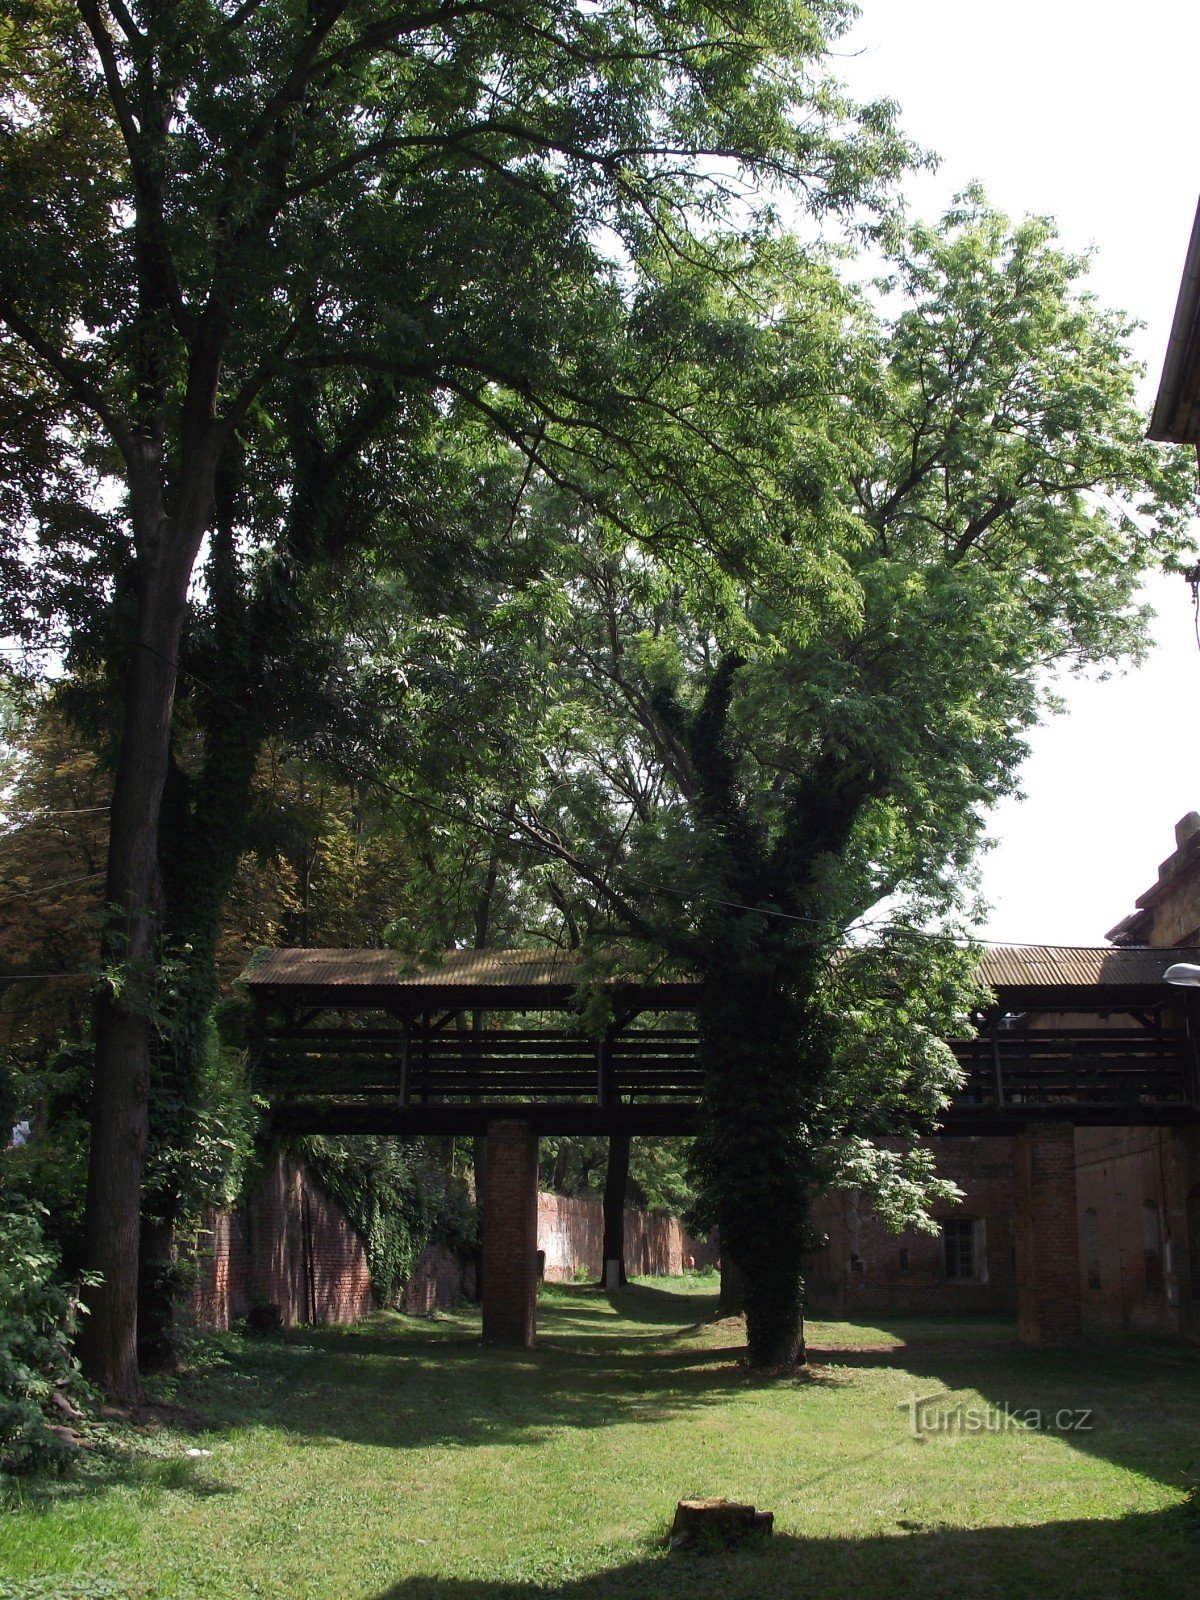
<point>616,1182</point>
<point>201,836</point>
<point>167,549</point>
<point>762,1059</point>
<point>732,1299</point>
<point>158,1268</point>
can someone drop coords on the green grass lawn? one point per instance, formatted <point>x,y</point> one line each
<point>399,1459</point>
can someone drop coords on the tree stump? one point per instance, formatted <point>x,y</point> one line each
<point>724,1522</point>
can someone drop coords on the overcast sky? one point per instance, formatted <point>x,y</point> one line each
<point>1087,112</point>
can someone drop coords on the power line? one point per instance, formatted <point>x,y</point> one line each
<point>48,888</point>
<point>44,977</point>
<point>78,811</point>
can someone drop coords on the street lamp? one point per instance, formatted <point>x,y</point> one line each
<point>1183,975</point>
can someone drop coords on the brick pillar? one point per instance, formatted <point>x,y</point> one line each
<point>1047,1234</point>
<point>510,1234</point>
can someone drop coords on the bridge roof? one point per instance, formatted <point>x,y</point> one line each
<point>1023,977</point>
<point>501,980</point>
<point>1038,974</point>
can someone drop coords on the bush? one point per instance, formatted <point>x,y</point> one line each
<point>35,1341</point>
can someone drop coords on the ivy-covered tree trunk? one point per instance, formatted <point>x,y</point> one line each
<point>201,839</point>
<point>732,1299</point>
<point>753,1154</point>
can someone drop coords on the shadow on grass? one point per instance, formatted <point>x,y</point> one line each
<point>110,1467</point>
<point>401,1385</point>
<point>1132,1401</point>
<point>398,1385</point>
<point>1145,1556</point>
<point>435,1384</point>
<point>639,1302</point>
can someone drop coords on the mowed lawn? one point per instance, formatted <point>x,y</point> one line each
<point>399,1460</point>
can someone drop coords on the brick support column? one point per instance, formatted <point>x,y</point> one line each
<point>1047,1234</point>
<point>510,1234</point>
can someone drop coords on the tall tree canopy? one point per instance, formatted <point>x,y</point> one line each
<point>421,212</point>
<point>743,771</point>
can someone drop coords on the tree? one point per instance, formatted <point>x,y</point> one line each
<point>781,783</point>
<point>52,847</point>
<point>203,203</point>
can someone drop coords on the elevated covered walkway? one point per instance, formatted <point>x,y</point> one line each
<point>354,1041</point>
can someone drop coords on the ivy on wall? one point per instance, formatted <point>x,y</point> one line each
<point>399,1197</point>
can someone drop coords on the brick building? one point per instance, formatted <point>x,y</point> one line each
<point>1135,1246</point>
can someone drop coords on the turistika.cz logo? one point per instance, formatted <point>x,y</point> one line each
<point>941,1413</point>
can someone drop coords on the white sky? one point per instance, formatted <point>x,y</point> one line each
<point>1084,110</point>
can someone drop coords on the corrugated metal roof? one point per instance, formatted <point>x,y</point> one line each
<point>1066,966</point>
<point>357,969</point>
<point>1002,967</point>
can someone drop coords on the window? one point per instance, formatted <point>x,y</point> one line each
<point>904,1262</point>
<point>1091,1245</point>
<point>962,1248</point>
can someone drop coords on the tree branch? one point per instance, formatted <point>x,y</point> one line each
<point>978,526</point>
<point>71,375</point>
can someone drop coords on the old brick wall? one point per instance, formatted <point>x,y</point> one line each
<point>440,1281</point>
<point>220,1295</point>
<point>1169,911</point>
<point>1046,1223</point>
<point>571,1232</point>
<point>865,1269</point>
<point>1138,1222</point>
<point>289,1246</point>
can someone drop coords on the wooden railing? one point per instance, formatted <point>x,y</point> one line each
<point>497,1064</point>
<point>1076,1066</point>
<point>1102,1073</point>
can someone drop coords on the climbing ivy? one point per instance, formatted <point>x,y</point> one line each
<point>399,1197</point>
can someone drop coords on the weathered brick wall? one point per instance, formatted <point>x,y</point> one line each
<point>865,1269</point>
<point>571,1232</point>
<point>290,1246</point>
<point>1136,1182</point>
<point>1047,1234</point>
<point>1169,911</point>
<point>440,1281</point>
<point>220,1295</point>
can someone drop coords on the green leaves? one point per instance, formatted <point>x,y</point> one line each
<point>36,1312</point>
<point>784,716</point>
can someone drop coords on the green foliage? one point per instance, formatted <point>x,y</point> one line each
<point>287,285</point>
<point>202,1145</point>
<point>399,1198</point>
<point>773,763</point>
<point>36,1311</point>
<point>49,1170</point>
<point>658,1170</point>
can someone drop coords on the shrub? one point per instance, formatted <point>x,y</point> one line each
<point>35,1341</point>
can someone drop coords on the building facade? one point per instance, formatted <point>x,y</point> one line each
<point>1136,1196</point>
